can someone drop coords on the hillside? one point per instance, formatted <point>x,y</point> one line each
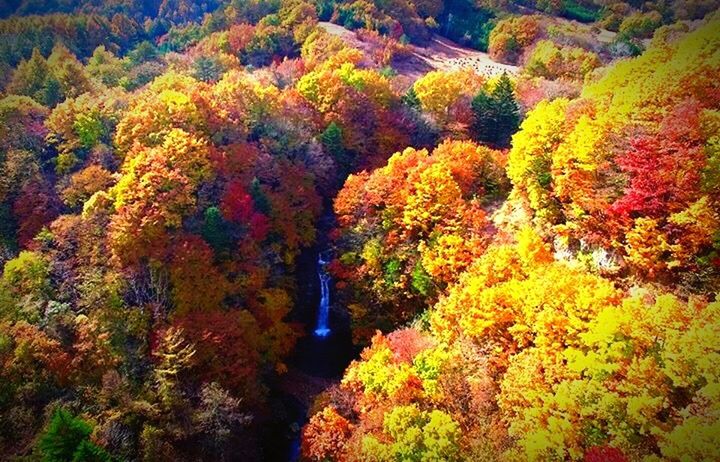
<point>440,54</point>
<point>359,231</point>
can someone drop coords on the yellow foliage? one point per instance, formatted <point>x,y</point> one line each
<point>171,101</point>
<point>531,157</point>
<point>640,89</point>
<point>699,223</point>
<point>438,91</point>
<point>647,247</point>
<point>436,196</point>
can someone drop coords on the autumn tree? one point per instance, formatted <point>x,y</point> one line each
<point>413,226</point>
<point>512,35</point>
<point>446,94</point>
<point>33,78</point>
<point>325,436</point>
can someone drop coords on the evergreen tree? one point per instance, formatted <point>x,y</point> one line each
<point>410,99</point>
<point>66,439</point>
<point>260,200</point>
<point>51,93</point>
<point>215,230</point>
<point>90,452</point>
<point>496,114</point>
<point>332,141</point>
<point>29,79</point>
<point>145,51</point>
<point>207,69</point>
<point>484,117</point>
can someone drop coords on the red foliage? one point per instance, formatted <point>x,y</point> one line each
<point>664,168</point>
<point>235,159</point>
<point>259,226</point>
<point>36,207</point>
<point>33,352</point>
<point>239,36</point>
<point>92,354</point>
<point>407,343</point>
<point>237,207</point>
<point>604,454</point>
<point>228,348</point>
<point>197,284</point>
<point>236,204</point>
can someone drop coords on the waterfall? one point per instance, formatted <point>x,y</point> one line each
<point>322,328</point>
<point>447,27</point>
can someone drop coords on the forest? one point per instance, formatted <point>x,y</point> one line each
<point>359,230</point>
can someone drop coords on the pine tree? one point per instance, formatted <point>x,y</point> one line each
<point>496,114</point>
<point>332,141</point>
<point>207,69</point>
<point>29,79</point>
<point>508,112</point>
<point>484,117</point>
<point>90,452</point>
<point>215,230</point>
<point>260,199</point>
<point>145,51</point>
<point>67,440</point>
<point>410,99</point>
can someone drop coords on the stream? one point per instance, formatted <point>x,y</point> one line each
<point>320,355</point>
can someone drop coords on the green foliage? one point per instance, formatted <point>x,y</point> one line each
<point>573,10</point>
<point>216,230</point>
<point>51,92</point>
<point>325,9</point>
<point>66,439</point>
<point>392,271</point>
<point>640,25</point>
<point>551,61</point>
<point>105,66</point>
<point>144,51</point>
<point>33,78</point>
<point>496,114</point>
<point>7,228</point>
<point>410,99</point>
<point>260,199</point>
<point>207,69</point>
<point>90,452</point>
<point>416,436</point>
<point>28,274</point>
<point>200,190</point>
<point>89,129</point>
<point>467,23</point>
<point>332,140</point>
<point>421,281</point>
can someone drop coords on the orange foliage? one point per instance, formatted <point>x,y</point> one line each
<point>325,436</point>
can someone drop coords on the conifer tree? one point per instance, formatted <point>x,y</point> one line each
<point>496,114</point>
<point>332,141</point>
<point>67,440</point>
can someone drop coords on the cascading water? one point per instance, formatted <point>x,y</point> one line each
<point>322,328</point>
